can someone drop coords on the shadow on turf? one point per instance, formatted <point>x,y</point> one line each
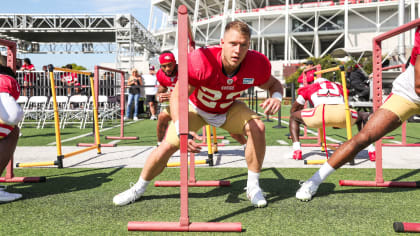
<point>276,189</point>
<point>136,155</point>
<point>360,158</point>
<point>65,183</point>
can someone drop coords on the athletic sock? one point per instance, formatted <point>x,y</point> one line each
<point>296,146</point>
<point>322,174</point>
<point>371,148</point>
<point>141,184</point>
<point>253,179</point>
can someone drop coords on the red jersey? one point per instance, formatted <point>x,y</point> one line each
<point>321,92</point>
<point>9,85</point>
<point>165,80</point>
<point>28,75</point>
<point>69,77</point>
<point>214,91</point>
<point>309,77</point>
<point>416,48</point>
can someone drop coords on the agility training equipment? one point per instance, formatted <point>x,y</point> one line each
<point>348,118</point>
<point>305,129</point>
<point>60,155</point>
<point>184,224</point>
<point>377,102</point>
<point>211,148</point>
<point>406,227</point>
<point>122,102</point>
<point>11,62</point>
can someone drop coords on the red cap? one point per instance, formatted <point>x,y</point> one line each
<point>166,58</point>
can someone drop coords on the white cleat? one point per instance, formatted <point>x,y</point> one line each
<point>306,191</point>
<point>128,196</point>
<point>256,196</point>
<point>8,197</point>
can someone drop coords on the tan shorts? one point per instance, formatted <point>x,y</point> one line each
<point>335,116</point>
<point>401,107</point>
<point>237,117</point>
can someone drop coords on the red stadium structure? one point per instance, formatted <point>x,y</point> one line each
<point>407,227</point>
<point>377,102</point>
<point>122,102</point>
<point>184,224</point>
<point>9,177</point>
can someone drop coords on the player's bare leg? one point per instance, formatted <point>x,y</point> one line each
<point>254,155</point>
<point>294,122</point>
<point>8,147</point>
<point>155,164</point>
<point>382,122</point>
<point>162,125</point>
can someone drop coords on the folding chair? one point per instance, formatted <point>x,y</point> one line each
<point>23,102</point>
<point>102,110</point>
<point>49,110</point>
<point>34,110</point>
<point>75,111</point>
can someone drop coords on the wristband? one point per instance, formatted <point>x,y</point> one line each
<point>277,95</point>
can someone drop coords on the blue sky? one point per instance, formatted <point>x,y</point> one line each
<point>138,8</point>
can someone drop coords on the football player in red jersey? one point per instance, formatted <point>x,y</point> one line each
<point>10,115</point>
<point>328,101</point>
<point>167,77</point>
<point>402,103</point>
<point>217,76</point>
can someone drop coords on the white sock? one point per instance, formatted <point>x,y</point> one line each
<point>371,148</point>
<point>141,184</point>
<point>253,179</point>
<point>322,174</point>
<point>296,146</point>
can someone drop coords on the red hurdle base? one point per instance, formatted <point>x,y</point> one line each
<point>407,227</point>
<point>389,184</point>
<point>23,179</point>
<point>121,138</point>
<point>209,183</point>
<point>193,227</point>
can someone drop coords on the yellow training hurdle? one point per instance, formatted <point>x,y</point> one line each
<point>60,155</point>
<point>348,119</point>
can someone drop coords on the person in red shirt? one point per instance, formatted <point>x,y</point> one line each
<point>327,98</point>
<point>29,78</point>
<point>10,115</point>
<point>69,79</point>
<point>167,77</point>
<point>310,75</point>
<point>402,103</point>
<point>216,77</point>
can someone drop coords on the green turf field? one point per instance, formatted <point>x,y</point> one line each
<point>79,202</point>
<point>146,131</point>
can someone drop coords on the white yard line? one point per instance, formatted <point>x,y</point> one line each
<point>87,134</point>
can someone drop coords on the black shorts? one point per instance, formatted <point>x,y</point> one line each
<point>150,98</point>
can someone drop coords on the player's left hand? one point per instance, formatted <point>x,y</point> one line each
<point>270,106</point>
